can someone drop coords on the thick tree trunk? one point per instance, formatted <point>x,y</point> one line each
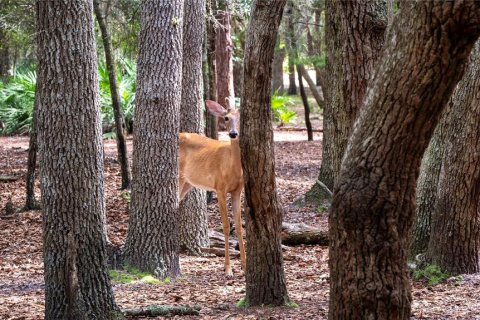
<point>192,214</point>
<point>116,102</point>
<point>264,276</point>
<point>355,31</point>
<point>211,127</point>
<point>77,285</point>
<point>277,69</point>
<point>427,189</point>
<point>455,237</point>
<point>30,201</point>
<point>291,49</point>
<point>152,240</point>
<point>373,206</point>
<point>306,107</point>
<point>224,58</point>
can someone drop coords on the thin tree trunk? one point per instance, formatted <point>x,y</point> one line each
<point>265,278</point>
<point>455,237</point>
<point>306,107</point>
<point>313,88</point>
<point>30,201</point>
<point>277,69</point>
<point>373,206</point>
<point>77,285</point>
<point>116,101</point>
<point>291,49</point>
<point>192,214</point>
<point>152,240</point>
<point>317,40</point>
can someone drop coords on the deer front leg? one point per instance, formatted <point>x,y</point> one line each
<point>237,214</point>
<point>222,205</point>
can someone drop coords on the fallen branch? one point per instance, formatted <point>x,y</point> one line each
<point>299,233</point>
<point>296,129</point>
<point>8,178</point>
<point>162,311</point>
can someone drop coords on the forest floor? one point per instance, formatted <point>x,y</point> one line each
<point>203,282</point>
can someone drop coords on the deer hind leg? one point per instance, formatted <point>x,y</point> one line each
<point>183,187</point>
<point>237,214</point>
<point>222,205</point>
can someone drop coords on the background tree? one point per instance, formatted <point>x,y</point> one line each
<point>355,33</point>
<point>151,243</point>
<point>265,279</point>
<point>210,73</point>
<point>373,206</point>
<point>192,215</point>
<point>116,101</point>
<point>30,201</point>
<point>291,48</point>
<point>455,238</point>
<point>77,285</point>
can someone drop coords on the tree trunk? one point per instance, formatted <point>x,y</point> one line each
<point>192,214</point>
<point>211,127</point>
<point>152,240</point>
<point>265,279</point>
<point>426,193</point>
<point>277,69</point>
<point>355,31</point>
<point>30,202</point>
<point>4,55</point>
<point>116,101</point>
<point>77,285</point>
<point>373,206</point>
<point>313,88</point>
<point>224,58</point>
<point>292,49</point>
<point>306,107</point>
<point>317,40</point>
<point>455,238</point>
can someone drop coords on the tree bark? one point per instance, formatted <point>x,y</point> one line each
<point>277,67</point>
<point>373,206</point>
<point>355,33</point>
<point>30,201</point>
<point>192,214</point>
<point>291,49</point>
<point>152,240</point>
<point>265,279</point>
<point>77,285</point>
<point>211,127</point>
<point>116,101</point>
<point>4,55</point>
<point>455,238</point>
<point>317,40</point>
<point>306,107</point>
<point>224,58</point>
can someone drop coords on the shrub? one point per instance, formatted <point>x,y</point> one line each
<point>280,110</point>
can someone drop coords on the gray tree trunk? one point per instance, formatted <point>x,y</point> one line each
<point>152,240</point>
<point>77,285</point>
<point>30,201</point>
<point>277,70</point>
<point>455,236</point>
<point>210,74</point>
<point>264,275</point>
<point>291,49</point>
<point>116,101</point>
<point>373,206</point>
<point>192,215</point>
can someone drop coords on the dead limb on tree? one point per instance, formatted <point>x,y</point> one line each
<point>294,234</point>
<point>162,311</point>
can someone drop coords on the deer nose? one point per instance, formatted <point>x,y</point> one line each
<point>233,134</point>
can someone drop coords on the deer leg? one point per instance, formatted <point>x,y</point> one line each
<point>222,205</point>
<point>237,214</point>
<point>184,190</point>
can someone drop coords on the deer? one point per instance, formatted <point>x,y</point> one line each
<point>214,165</point>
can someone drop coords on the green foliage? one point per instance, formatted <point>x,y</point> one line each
<point>132,275</point>
<point>291,305</point>
<point>242,303</point>
<point>280,104</point>
<point>431,273</point>
<point>16,103</point>
<point>126,196</point>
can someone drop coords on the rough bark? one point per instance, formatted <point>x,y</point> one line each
<point>265,279</point>
<point>211,127</point>
<point>77,285</point>
<point>152,240</point>
<point>306,107</point>
<point>4,55</point>
<point>373,206</point>
<point>291,49</point>
<point>192,214</point>
<point>317,40</point>
<point>116,101</point>
<point>224,58</point>
<point>277,67</point>
<point>30,201</point>
<point>355,33</point>
<point>455,237</point>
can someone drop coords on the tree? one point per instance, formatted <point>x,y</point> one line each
<point>116,104</point>
<point>210,74</point>
<point>355,33</point>
<point>265,279</point>
<point>192,216</point>
<point>373,205</point>
<point>291,49</point>
<point>455,237</point>
<point>77,285</point>
<point>277,69</point>
<point>151,243</point>
<point>306,107</point>
<point>30,202</point>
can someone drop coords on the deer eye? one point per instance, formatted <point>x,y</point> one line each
<point>226,118</point>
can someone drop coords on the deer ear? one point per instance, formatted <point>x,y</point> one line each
<point>216,109</point>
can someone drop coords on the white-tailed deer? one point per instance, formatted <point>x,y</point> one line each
<point>214,165</point>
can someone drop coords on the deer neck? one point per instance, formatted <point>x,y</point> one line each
<point>235,145</point>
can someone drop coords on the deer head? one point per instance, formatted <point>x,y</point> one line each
<point>231,117</point>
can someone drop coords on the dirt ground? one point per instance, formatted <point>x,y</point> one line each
<point>202,282</point>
